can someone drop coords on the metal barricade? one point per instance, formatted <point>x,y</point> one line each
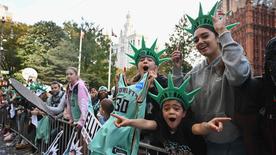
<point>20,129</point>
<point>56,126</point>
<point>63,125</point>
<point>3,116</point>
<point>146,148</point>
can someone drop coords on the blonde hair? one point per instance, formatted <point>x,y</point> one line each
<point>74,69</point>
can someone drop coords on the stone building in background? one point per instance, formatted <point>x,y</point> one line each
<point>122,47</point>
<point>257,25</point>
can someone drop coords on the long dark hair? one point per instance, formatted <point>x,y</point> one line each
<point>270,51</point>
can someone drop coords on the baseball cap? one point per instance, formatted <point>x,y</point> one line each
<point>102,88</point>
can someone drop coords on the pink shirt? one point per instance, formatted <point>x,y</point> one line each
<point>83,100</point>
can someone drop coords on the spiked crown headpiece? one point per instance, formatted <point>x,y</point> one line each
<point>37,87</point>
<point>205,20</point>
<point>174,93</point>
<point>147,52</point>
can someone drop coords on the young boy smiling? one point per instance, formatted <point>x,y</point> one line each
<point>176,129</point>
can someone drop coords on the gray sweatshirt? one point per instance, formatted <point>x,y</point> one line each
<point>216,80</point>
<point>59,109</point>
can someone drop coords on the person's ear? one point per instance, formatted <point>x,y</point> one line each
<point>184,114</point>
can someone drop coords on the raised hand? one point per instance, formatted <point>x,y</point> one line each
<point>78,127</point>
<point>177,57</point>
<point>151,77</point>
<point>219,21</point>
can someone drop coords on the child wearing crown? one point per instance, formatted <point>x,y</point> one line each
<point>177,133</point>
<point>131,101</point>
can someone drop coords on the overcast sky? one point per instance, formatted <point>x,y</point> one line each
<point>152,18</point>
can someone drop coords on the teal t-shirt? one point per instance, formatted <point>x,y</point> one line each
<point>75,110</point>
<point>131,103</point>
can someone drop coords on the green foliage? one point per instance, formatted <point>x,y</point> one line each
<point>95,56</point>
<point>50,49</point>
<point>40,37</point>
<point>34,46</point>
<point>61,57</point>
<point>11,32</point>
<point>181,39</point>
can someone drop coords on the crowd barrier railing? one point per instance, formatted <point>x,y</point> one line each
<point>57,125</point>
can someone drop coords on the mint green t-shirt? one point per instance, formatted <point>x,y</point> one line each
<point>131,103</point>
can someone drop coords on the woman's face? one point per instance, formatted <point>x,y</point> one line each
<point>94,92</point>
<point>102,94</point>
<point>146,64</point>
<point>71,76</point>
<point>206,42</point>
<point>173,113</point>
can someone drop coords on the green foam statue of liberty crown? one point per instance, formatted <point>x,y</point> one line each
<point>175,93</point>
<point>206,20</point>
<point>37,87</point>
<point>147,52</point>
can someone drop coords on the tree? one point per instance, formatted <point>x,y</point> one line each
<point>95,53</point>
<point>64,55</point>
<point>12,31</point>
<point>35,44</point>
<point>61,57</point>
<point>183,40</point>
<point>50,49</point>
<point>95,56</point>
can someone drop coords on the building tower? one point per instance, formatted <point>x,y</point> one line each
<point>127,35</point>
<point>257,25</point>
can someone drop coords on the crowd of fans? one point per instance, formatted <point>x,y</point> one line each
<point>217,108</point>
<point>24,116</point>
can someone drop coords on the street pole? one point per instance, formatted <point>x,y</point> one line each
<point>79,67</point>
<point>109,67</point>
<point>1,40</point>
<point>2,32</point>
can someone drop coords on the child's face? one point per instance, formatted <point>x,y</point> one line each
<point>71,75</point>
<point>102,94</point>
<point>173,113</point>
<point>101,111</point>
<point>146,64</point>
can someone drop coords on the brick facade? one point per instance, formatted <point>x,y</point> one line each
<point>257,26</point>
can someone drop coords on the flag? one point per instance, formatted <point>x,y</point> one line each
<point>113,34</point>
<point>91,126</point>
<point>73,144</point>
<point>53,148</point>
